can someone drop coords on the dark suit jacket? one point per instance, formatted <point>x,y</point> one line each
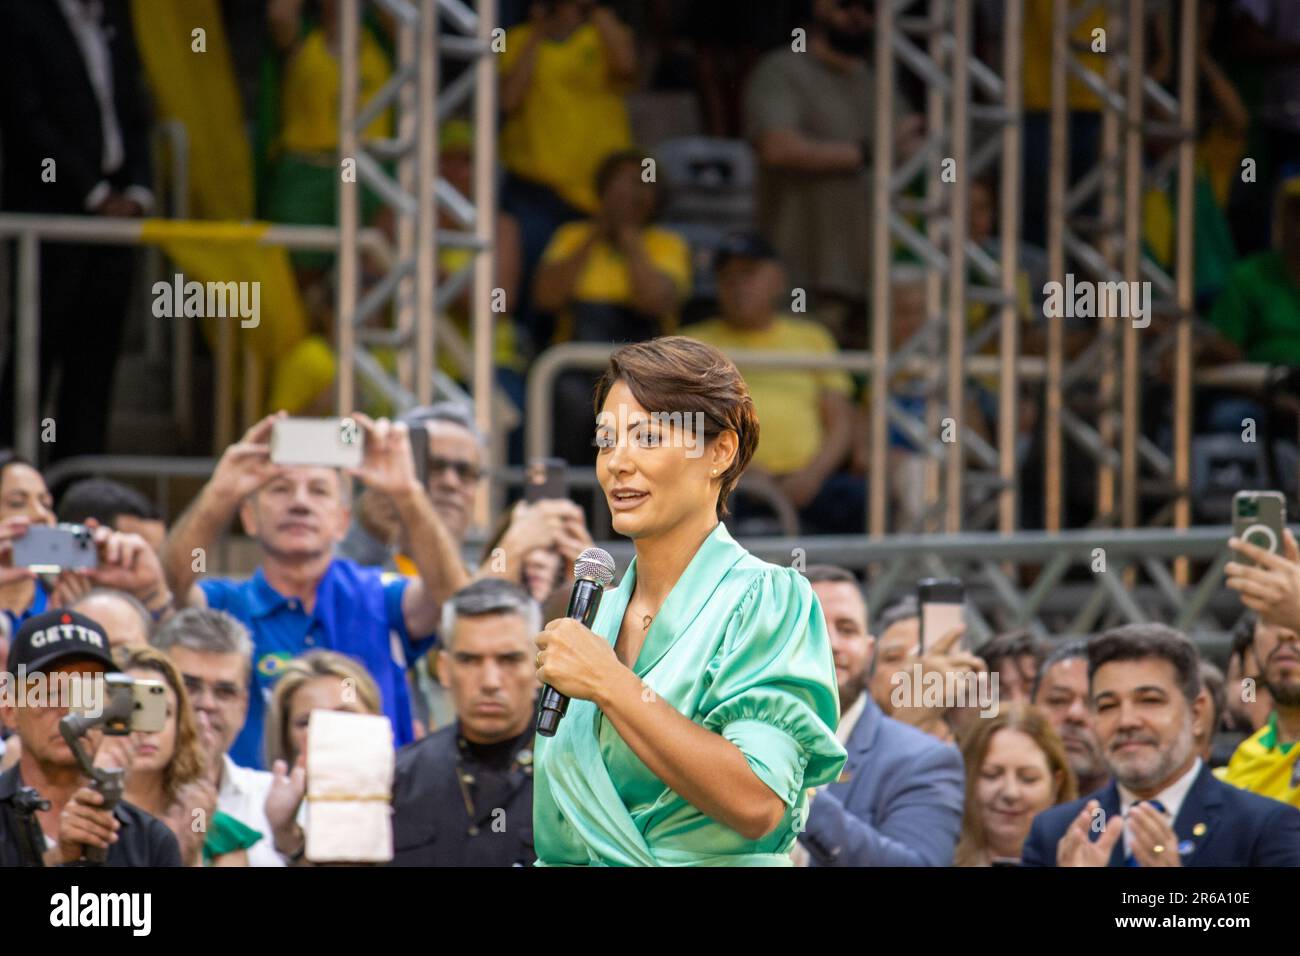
<point>430,819</point>
<point>899,801</point>
<point>1217,825</point>
<point>48,109</point>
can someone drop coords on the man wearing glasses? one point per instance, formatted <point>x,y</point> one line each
<point>454,465</point>
<point>303,596</point>
<point>214,654</point>
<point>377,537</point>
<point>455,460</point>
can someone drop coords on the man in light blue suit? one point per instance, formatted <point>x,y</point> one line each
<point>899,799</point>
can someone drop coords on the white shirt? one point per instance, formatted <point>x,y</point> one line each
<point>86,22</point>
<point>243,796</point>
<point>1171,798</point>
<point>849,719</point>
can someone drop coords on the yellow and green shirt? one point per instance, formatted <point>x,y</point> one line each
<point>1264,765</point>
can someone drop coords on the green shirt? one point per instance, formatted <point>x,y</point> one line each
<point>1259,310</point>
<point>740,647</point>
<point>1269,738</point>
<point>226,835</point>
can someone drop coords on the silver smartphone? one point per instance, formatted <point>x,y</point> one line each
<point>129,704</point>
<point>50,550</point>
<point>1258,517</point>
<point>328,442</point>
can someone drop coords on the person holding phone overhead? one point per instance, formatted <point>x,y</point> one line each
<point>117,560</point>
<point>536,543</point>
<point>703,698</point>
<point>303,597</point>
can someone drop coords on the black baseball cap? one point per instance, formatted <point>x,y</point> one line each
<point>48,639</point>
<point>743,245</point>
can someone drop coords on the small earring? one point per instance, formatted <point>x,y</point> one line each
<point>715,471</point>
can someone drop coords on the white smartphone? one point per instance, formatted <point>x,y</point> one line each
<point>942,602</point>
<point>128,704</point>
<point>328,442</point>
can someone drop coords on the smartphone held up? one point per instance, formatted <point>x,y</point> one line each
<point>942,603</point>
<point>1258,518</point>
<point>325,442</point>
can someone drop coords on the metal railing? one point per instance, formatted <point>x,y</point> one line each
<point>1053,583</point>
<point>594,356</point>
<point>30,230</point>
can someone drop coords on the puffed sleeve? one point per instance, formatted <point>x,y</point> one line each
<point>772,686</point>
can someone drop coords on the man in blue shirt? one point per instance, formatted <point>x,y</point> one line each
<point>302,597</point>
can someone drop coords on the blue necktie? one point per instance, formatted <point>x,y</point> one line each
<point>1131,860</point>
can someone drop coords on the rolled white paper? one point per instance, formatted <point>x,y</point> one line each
<point>350,762</point>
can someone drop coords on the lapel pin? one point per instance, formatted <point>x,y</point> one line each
<point>1199,829</point>
<point>1186,847</point>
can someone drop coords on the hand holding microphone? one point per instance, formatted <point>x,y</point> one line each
<point>572,661</point>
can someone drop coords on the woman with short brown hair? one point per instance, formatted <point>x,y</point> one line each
<point>703,696</point>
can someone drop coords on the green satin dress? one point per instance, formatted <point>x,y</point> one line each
<point>741,647</point>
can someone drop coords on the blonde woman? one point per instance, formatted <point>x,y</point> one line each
<point>1016,767</point>
<point>166,777</point>
<point>319,680</point>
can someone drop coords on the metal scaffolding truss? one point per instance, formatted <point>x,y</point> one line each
<point>973,121</point>
<point>401,311</point>
<point>1106,246</point>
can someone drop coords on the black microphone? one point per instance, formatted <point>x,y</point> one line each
<point>594,569</point>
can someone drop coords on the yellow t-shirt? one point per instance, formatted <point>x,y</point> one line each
<point>310,94</point>
<point>571,117</point>
<point>1263,766</point>
<point>1037,71</point>
<point>787,401</point>
<point>605,277</point>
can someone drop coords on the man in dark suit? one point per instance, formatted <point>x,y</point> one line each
<point>463,796</point>
<point>74,141</point>
<point>899,800</point>
<point>1164,807</point>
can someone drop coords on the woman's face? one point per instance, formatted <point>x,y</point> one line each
<point>655,469</point>
<point>1014,785</point>
<point>155,751</point>
<point>318,693</point>
<point>23,492</point>
<point>541,571</point>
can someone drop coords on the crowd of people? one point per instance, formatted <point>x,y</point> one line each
<point>1125,747</point>
<point>1130,734</point>
<point>756,236</point>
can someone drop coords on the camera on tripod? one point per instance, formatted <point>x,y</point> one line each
<point>119,705</point>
